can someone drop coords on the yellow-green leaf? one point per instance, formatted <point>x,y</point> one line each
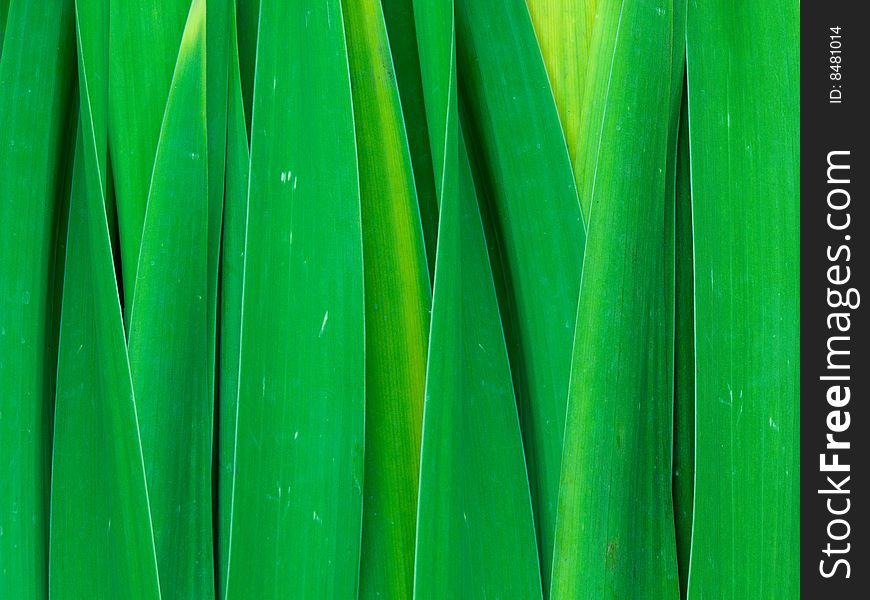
<point>398,297</point>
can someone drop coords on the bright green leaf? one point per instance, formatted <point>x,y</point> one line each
<point>535,226</point>
<point>298,471</point>
<point>232,273</point>
<point>398,298</point>
<point>37,71</point>
<point>168,332</point>
<point>745,157</point>
<point>615,528</point>
<point>144,37</point>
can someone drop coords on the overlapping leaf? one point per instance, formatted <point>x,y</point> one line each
<point>402,33</point>
<point>564,32</point>
<point>534,222</point>
<point>398,298</point>
<point>37,71</point>
<point>615,533</point>
<point>298,469</point>
<point>144,38</point>
<point>684,358</point>
<point>744,142</point>
<point>473,477</point>
<point>168,332</point>
<point>101,536</point>
<point>232,277</point>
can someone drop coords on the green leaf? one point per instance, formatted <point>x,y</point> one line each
<point>101,543</point>
<point>745,158</point>
<point>600,71</point>
<point>402,33</point>
<point>37,71</point>
<point>439,550</point>
<point>530,203</point>
<point>398,299</point>
<point>615,529</point>
<point>232,273</point>
<point>297,488</point>
<point>679,299</point>
<point>476,535</point>
<point>564,32</point>
<point>436,42</point>
<point>168,331</point>
<point>143,42</point>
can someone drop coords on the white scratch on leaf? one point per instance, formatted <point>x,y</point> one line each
<point>323,325</point>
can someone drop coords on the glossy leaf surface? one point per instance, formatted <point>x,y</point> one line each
<point>37,71</point>
<point>615,533</point>
<point>298,469</point>
<point>537,233</point>
<point>398,298</point>
<point>473,477</point>
<point>144,38</point>
<point>744,144</point>
<point>168,331</point>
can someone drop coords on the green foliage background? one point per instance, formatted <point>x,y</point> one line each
<point>399,298</point>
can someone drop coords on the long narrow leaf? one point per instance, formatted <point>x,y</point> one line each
<point>232,273</point>
<point>297,482</point>
<point>684,358</point>
<point>143,43</point>
<point>436,43</point>
<point>36,92</point>
<point>531,206</point>
<point>217,92</point>
<point>476,534</point>
<point>744,145</point>
<point>402,33</point>
<point>615,532</point>
<point>168,331</point>
<point>102,544</point>
<point>398,298</point>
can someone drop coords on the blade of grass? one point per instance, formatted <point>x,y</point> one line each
<point>37,71</point>
<point>297,487</point>
<point>537,229</point>
<point>101,545</point>
<point>744,146</point>
<point>398,298</point>
<point>615,532</point>
<point>143,42</point>
<point>168,331</point>
<point>402,34</point>
<point>476,534</point>
<point>232,272</point>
